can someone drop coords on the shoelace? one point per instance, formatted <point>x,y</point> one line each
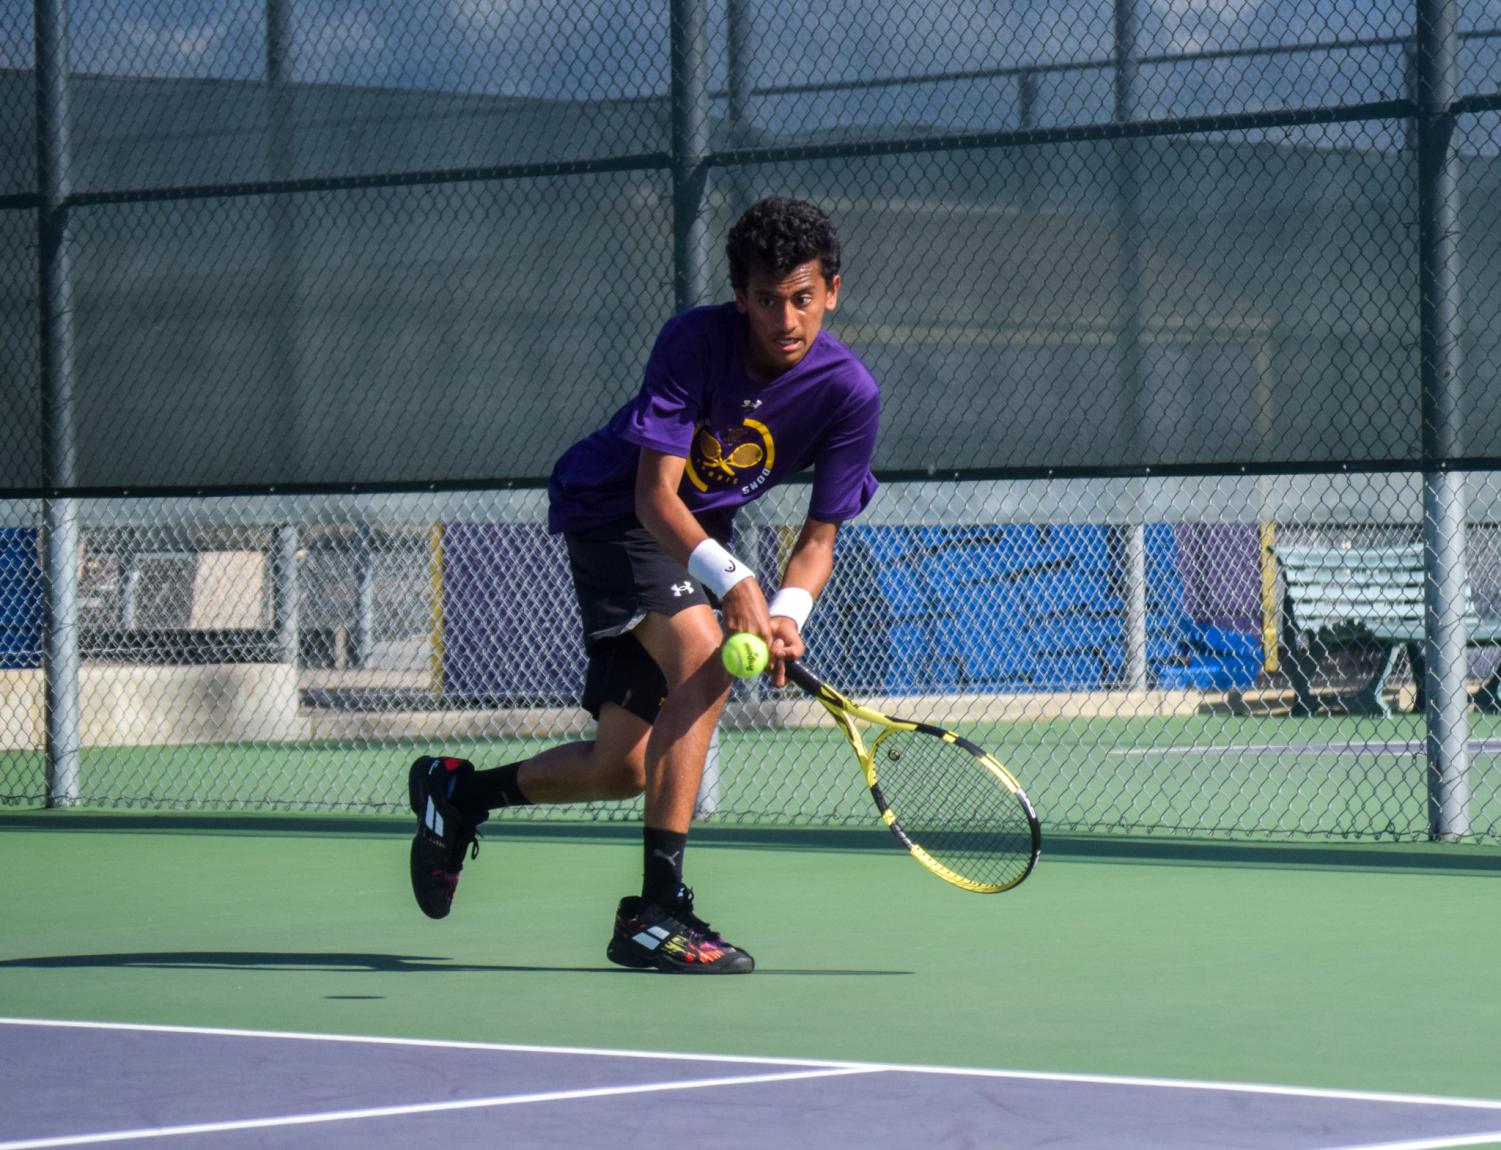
<point>471,845</point>
<point>683,912</point>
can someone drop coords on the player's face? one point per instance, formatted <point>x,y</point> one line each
<point>785,316</point>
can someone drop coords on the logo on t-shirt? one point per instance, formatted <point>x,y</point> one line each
<point>738,457</point>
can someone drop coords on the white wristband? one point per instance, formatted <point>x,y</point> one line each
<point>716,568</point>
<point>793,603</point>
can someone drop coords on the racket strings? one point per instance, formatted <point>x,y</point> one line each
<point>955,808</point>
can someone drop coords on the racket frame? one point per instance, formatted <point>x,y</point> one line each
<point>844,711</point>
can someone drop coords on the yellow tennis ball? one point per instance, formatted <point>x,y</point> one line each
<point>745,655</point>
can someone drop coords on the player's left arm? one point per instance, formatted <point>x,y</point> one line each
<point>808,571</point>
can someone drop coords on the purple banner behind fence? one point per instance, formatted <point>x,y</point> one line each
<point>502,597</point>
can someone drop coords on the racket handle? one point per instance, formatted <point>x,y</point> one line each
<point>803,677</point>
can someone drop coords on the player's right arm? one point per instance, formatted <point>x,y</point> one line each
<point>662,511</point>
<point>808,570</point>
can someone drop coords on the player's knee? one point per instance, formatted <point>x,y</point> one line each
<point>687,649</point>
<point>630,777</point>
<point>705,676</point>
<point>623,776</point>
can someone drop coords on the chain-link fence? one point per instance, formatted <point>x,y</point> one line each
<point>1185,317</point>
<point>294,653</point>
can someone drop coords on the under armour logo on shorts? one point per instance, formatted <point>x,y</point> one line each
<point>681,589</point>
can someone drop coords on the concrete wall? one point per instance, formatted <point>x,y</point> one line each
<point>162,706</point>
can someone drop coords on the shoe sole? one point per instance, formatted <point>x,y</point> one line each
<point>622,954</point>
<point>431,912</point>
<point>417,800</point>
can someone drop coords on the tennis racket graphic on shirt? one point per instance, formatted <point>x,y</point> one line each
<point>951,805</point>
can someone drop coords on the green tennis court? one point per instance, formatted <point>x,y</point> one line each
<point>1344,967</point>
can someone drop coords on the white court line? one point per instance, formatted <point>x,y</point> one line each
<point>436,1043</point>
<point>812,1063</point>
<point>423,1108</point>
<point>1447,1143</point>
<point>1194,1084</point>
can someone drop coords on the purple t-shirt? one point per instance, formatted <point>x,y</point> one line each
<point>740,437</point>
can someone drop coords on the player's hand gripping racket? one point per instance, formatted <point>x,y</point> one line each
<point>954,807</point>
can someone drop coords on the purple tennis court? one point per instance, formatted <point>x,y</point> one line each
<point>80,1084</point>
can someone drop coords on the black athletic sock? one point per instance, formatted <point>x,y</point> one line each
<point>489,790</point>
<point>663,872</point>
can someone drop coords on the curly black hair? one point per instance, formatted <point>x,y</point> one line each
<point>776,235</point>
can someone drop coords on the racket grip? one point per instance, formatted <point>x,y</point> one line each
<point>803,677</point>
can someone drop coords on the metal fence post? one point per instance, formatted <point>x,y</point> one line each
<point>1443,490</point>
<point>286,589</point>
<point>364,603</point>
<point>61,671</point>
<point>278,77</point>
<point>692,248</point>
<point>738,53</point>
<point>1131,291</point>
<point>1026,99</point>
<point>282,226</point>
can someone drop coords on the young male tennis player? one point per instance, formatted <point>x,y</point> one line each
<point>736,398</point>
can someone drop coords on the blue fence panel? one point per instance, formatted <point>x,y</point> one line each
<point>21,599</point>
<point>909,610</point>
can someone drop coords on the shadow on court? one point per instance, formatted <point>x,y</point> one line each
<point>283,961</point>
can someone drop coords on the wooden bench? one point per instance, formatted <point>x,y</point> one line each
<point>1362,596</point>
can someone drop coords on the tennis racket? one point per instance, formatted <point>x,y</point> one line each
<point>952,806</point>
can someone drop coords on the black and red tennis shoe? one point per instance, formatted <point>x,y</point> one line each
<point>669,937</point>
<point>445,834</point>
<point>649,935</point>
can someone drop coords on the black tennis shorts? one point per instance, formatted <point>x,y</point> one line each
<point>620,574</point>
